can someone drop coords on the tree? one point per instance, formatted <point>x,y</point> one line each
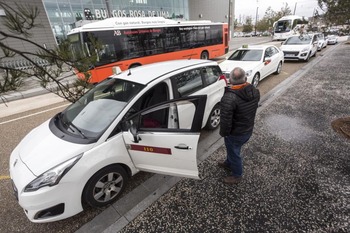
<point>337,12</point>
<point>47,66</point>
<point>248,25</point>
<point>285,10</point>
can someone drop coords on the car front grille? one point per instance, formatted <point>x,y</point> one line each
<point>290,53</point>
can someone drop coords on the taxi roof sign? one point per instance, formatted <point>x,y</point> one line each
<point>245,46</point>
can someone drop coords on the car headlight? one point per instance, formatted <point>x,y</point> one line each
<point>52,176</point>
<point>305,49</point>
<point>248,73</point>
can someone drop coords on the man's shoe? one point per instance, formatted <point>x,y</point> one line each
<point>232,180</point>
<point>222,164</point>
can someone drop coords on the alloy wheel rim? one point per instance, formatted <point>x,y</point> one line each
<point>215,118</point>
<point>108,187</point>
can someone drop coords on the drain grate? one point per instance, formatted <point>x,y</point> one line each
<point>342,126</point>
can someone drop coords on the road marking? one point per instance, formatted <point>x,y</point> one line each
<point>33,114</point>
<point>4,177</point>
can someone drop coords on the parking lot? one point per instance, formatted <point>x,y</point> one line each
<point>14,127</point>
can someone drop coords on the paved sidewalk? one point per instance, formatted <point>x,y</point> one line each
<point>297,168</point>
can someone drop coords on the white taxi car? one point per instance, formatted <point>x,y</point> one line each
<point>144,119</point>
<point>321,41</point>
<point>300,47</point>
<point>257,61</point>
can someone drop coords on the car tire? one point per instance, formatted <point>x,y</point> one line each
<point>205,55</point>
<point>214,118</point>
<point>105,186</point>
<point>308,57</point>
<point>256,79</point>
<point>279,68</point>
<point>314,54</point>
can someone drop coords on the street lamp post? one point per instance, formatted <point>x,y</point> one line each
<point>256,18</point>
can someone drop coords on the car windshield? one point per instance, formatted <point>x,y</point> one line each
<point>297,40</point>
<point>246,55</point>
<point>96,110</point>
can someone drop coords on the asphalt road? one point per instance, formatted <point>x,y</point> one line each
<point>13,128</point>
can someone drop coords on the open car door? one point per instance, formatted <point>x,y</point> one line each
<point>164,138</point>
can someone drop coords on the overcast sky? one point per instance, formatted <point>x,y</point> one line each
<point>248,7</point>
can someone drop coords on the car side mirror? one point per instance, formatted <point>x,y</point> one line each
<point>267,61</point>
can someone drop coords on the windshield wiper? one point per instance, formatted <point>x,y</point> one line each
<point>72,126</point>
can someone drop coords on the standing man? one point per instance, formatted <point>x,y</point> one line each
<point>238,110</point>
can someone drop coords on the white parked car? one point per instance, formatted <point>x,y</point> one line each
<point>257,61</point>
<point>321,41</point>
<point>299,47</point>
<point>144,119</point>
<point>332,39</point>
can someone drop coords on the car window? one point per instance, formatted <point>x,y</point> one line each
<point>268,52</point>
<point>246,55</point>
<point>274,50</point>
<point>157,94</point>
<point>297,40</point>
<point>211,74</point>
<point>188,82</point>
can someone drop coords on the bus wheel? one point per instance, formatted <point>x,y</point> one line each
<point>205,55</point>
<point>134,65</point>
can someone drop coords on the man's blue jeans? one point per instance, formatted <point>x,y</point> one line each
<point>233,145</point>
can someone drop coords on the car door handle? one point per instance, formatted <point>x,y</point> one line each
<point>183,147</point>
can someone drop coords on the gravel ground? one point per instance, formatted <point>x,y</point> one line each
<point>297,168</point>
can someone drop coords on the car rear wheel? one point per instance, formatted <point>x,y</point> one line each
<point>256,80</point>
<point>279,68</point>
<point>214,118</point>
<point>105,186</point>
<point>205,55</point>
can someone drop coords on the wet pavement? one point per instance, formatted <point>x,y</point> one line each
<point>296,167</point>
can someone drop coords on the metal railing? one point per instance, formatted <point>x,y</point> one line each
<point>23,64</point>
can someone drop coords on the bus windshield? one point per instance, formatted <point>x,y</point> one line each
<point>283,26</point>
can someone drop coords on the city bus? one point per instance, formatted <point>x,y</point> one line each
<point>131,42</point>
<point>284,27</point>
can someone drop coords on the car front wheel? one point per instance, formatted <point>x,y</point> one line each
<point>256,80</point>
<point>105,186</point>
<point>214,118</point>
<point>279,68</point>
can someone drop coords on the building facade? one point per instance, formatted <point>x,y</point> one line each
<point>58,17</point>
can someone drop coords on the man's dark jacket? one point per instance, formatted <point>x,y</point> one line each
<point>238,110</point>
